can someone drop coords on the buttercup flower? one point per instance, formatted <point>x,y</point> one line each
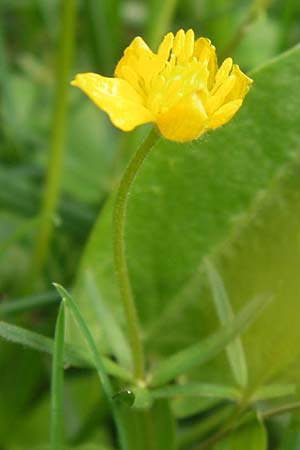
<point>179,88</point>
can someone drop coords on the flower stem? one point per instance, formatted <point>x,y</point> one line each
<point>119,252</point>
<point>54,170</point>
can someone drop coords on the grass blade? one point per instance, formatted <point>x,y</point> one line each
<point>273,391</point>
<point>57,380</point>
<point>208,348</point>
<point>104,24</point>
<point>98,361</point>
<point>159,20</point>
<point>17,195</point>
<point>72,355</point>
<point>235,351</point>
<point>197,390</point>
<point>20,305</point>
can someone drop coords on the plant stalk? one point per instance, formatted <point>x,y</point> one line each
<point>120,252</point>
<point>59,122</point>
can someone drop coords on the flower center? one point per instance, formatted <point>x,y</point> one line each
<point>175,82</point>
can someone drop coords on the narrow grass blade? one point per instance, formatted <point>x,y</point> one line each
<point>104,24</point>
<point>98,361</point>
<point>18,196</point>
<point>197,390</point>
<point>207,349</point>
<point>159,20</point>
<point>273,391</point>
<point>57,380</point>
<point>80,447</point>
<point>8,107</point>
<point>72,356</point>
<point>235,351</point>
<point>280,410</point>
<point>20,305</point>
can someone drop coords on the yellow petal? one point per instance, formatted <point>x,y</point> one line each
<point>205,52</point>
<point>138,56</point>
<point>116,97</point>
<point>131,55</point>
<point>189,44</point>
<point>143,62</point>
<point>184,121</point>
<point>128,74</point>
<point>241,86</point>
<point>224,114</point>
<point>178,46</point>
<point>166,46</point>
<point>221,94</point>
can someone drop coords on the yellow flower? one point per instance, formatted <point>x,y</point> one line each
<point>179,88</point>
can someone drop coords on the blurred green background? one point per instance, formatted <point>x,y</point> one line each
<point>60,159</point>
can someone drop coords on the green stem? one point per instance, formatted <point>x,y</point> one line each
<point>56,423</point>
<point>59,119</point>
<point>280,410</point>
<point>120,256</point>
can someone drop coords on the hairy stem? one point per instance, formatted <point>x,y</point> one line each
<point>120,254</point>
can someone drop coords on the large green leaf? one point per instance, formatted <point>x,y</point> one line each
<point>232,196</point>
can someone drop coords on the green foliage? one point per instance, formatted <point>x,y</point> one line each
<point>57,380</point>
<point>251,436</point>
<point>214,197</point>
<point>208,348</point>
